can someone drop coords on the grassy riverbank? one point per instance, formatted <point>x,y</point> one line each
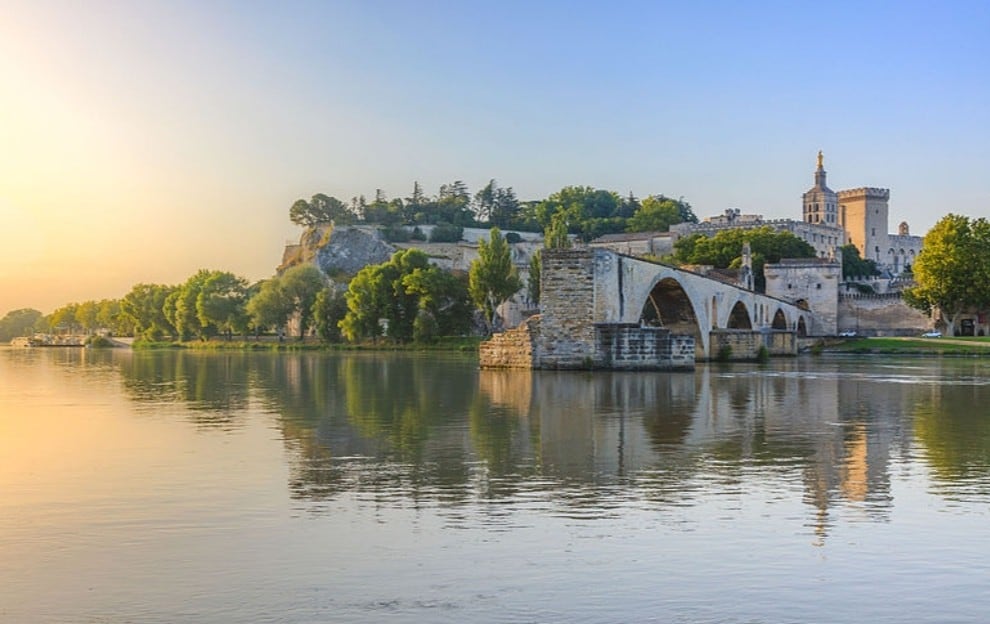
<point>461,344</point>
<point>963,346</point>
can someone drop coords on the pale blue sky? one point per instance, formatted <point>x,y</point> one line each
<point>145,140</point>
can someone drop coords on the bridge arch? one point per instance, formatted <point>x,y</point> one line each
<point>802,328</point>
<point>739,317</point>
<point>779,320</point>
<point>668,305</point>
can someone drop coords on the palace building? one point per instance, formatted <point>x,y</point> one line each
<point>831,219</point>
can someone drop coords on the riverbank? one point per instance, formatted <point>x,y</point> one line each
<point>460,344</point>
<point>952,346</point>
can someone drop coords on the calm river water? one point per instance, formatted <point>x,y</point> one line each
<point>141,487</point>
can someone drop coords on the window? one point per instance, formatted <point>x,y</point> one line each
<point>819,286</point>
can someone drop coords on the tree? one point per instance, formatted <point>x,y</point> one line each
<point>725,249</point>
<point>953,269</point>
<point>144,308</point>
<point>18,323</point>
<point>853,265</point>
<point>492,278</point>
<point>555,235</point>
<point>182,311</point>
<point>270,307</point>
<point>301,284</point>
<point>443,307</point>
<point>63,319</point>
<point>319,209</point>
<point>453,204</point>
<point>405,298</point>
<point>656,213</point>
<point>484,201</point>
<point>221,303</point>
<point>329,308</point>
<point>85,314</point>
<point>535,275</point>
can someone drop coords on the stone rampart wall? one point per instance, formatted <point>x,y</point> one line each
<point>880,316</point>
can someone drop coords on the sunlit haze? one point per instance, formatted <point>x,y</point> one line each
<point>142,141</point>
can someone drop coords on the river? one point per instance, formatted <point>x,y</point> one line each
<point>177,486</point>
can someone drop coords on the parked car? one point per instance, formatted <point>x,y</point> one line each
<point>847,334</point>
<point>932,334</point>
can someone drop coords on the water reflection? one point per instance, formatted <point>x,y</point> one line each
<point>427,430</point>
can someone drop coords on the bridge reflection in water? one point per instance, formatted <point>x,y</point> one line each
<point>436,431</point>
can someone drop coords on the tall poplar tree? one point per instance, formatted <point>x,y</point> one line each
<point>492,279</point>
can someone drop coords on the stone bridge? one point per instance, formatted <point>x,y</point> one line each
<point>607,310</point>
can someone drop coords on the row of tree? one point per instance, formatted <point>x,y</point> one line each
<point>403,299</point>
<point>588,212</point>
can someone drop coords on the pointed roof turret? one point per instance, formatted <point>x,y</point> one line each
<point>820,174</point>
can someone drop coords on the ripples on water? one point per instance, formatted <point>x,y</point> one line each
<point>165,487</point>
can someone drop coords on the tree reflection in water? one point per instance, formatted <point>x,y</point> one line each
<point>435,430</point>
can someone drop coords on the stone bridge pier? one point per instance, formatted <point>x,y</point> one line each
<point>601,309</point>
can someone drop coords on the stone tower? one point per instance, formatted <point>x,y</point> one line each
<point>863,215</point>
<point>820,202</point>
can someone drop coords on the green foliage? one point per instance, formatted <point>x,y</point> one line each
<point>533,287</point>
<point>18,323</point>
<point>301,284</point>
<point>99,342</point>
<point>853,265</point>
<point>492,278</point>
<point>446,233</point>
<point>512,238</point>
<point>405,298</point>
<point>329,309</point>
<point>319,209</point>
<point>144,309</point>
<point>953,269</point>
<point>396,234</point>
<point>271,306</point>
<point>555,235</point>
<point>221,303</point>
<point>657,213</point>
<point>589,212</point>
<point>725,248</point>
<point>724,353</point>
<point>762,354</point>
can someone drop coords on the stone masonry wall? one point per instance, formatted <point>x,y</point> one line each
<point>745,344</point>
<point>512,348</point>
<point>880,315</point>
<point>631,347</point>
<point>567,333</point>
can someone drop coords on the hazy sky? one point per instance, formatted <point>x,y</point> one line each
<point>141,141</point>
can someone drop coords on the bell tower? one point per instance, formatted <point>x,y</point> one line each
<point>820,204</point>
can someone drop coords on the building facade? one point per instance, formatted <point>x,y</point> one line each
<point>829,220</point>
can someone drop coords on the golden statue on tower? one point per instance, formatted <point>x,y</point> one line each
<point>820,159</point>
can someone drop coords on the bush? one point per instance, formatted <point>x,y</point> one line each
<point>512,238</point>
<point>763,354</point>
<point>99,342</point>
<point>417,234</point>
<point>446,233</point>
<point>724,353</point>
<point>395,234</point>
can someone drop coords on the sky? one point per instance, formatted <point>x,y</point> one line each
<point>142,141</point>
